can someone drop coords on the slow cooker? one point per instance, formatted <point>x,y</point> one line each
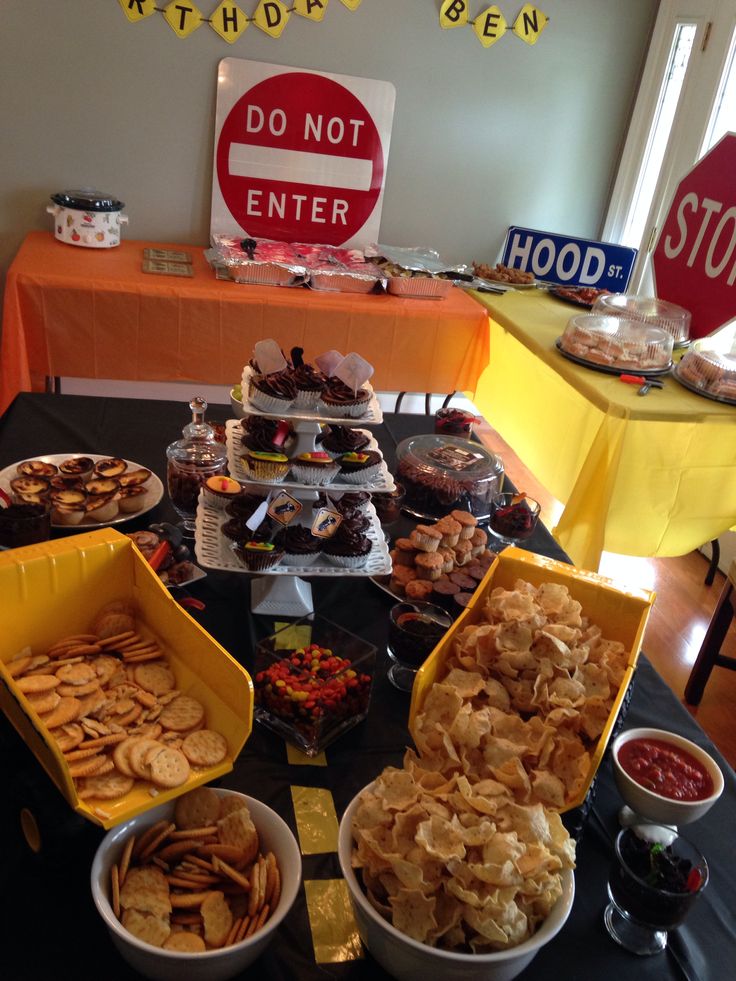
<point>87,218</point>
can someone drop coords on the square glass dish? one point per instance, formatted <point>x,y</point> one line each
<point>312,681</point>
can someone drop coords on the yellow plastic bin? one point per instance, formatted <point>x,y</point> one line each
<point>55,589</point>
<point>621,614</point>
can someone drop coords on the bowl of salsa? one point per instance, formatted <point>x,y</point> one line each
<point>664,777</point>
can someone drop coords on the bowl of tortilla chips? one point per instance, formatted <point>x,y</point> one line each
<point>451,879</point>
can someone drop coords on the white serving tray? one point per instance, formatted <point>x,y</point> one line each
<point>383,482</point>
<point>373,416</point>
<point>213,550</point>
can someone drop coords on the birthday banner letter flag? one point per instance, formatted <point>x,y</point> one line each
<point>453,13</point>
<point>490,26</point>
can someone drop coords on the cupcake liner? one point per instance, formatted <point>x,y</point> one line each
<point>350,410</point>
<point>268,403</point>
<point>365,476</point>
<point>348,561</point>
<point>302,559</point>
<point>258,561</point>
<point>306,399</point>
<point>316,476</point>
<point>217,501</point>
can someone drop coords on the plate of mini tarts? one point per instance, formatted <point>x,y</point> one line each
<point>71,511</point>
<point>111,467</point>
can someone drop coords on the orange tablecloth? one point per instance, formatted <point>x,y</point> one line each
<point>93,313</point>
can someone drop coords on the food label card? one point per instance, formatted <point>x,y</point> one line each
<point>354,371</point>
<point>164,268</point>
<point>284,508</point>
<point>269,357</point>
<point>167,255</point>
<point>328,361</point>
<point>326,522</point>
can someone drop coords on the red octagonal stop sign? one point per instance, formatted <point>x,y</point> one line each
<point>695,256</point>
<point>292,172</point>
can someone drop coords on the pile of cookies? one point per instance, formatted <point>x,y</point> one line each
<point>198,882</point>
<point>441,563</point>
<point>110,700</point>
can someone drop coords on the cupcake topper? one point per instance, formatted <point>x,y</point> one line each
<point>256,519</point>
<point>354,371</point>
<point>297,357</point>
<point>282,431</point>
<point>269,357</point>
<point>284,508</point>
<point>328,361</point>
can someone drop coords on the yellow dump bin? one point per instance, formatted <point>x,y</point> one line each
<point>55,589</point>
<point>621,614</point>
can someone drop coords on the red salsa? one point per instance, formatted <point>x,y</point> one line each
<point>665,769</point>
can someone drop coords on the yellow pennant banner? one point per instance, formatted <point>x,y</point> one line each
<point>490,25</point>
<point>228,19</point>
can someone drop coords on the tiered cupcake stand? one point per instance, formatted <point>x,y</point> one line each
<point>283,590</point>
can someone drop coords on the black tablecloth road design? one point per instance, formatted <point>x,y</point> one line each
<point>51,928</point>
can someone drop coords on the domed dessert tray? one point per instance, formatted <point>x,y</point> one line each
<point>281,590</point>
<point>697,390</point>
<point>383,482</point>
<point>373,415</point>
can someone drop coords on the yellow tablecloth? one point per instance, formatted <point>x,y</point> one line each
<point>652,475</point>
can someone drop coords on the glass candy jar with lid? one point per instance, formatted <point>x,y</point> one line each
<point>190,461</point>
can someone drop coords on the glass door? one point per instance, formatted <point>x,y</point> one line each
<point>686,102</point>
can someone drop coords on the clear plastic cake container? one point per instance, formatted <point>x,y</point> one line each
<point>709,373</point>
<point>614,342</point>
<point>648,310</point>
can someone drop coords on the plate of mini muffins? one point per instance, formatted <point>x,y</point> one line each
<point>442,562</point>
<point>83,491</point>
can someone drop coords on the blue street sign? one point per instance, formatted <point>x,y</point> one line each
<point>569,261</point>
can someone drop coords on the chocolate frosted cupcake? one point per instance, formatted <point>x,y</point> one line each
<point>299,544</point>
<point>337,440</point>
<point>258,556</point>
<point>272,393</point>
<point>314,468</point>
<point>346,503</point>
<point>340,401</point>
<point>356,521</point>
<point>310,384</point>
<point>361,467</point>
<point>266,435</point>
<point>244,505</point>
<point>347,548</point>
<point>265,466</point>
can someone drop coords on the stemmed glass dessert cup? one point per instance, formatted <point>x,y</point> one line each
<point>513,517</point>
<point>414,631</point>
<point>652,887</point>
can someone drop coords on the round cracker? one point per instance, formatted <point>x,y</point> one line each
<point>66,711</point>
<point>156,678</point>
<point>137,755</point>
<point>146,927</point>
<point>205,748</point>
<point>38,684</point>
<point>185,940</point>
<point>182,714</point>
<point>200,808</point>
<point>45,702</point>
<point>76,674</point>
<point>169,768</point>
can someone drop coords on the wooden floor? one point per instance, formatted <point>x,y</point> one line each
<point>680,615</point>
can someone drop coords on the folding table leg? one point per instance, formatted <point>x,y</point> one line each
<point>709,656</point>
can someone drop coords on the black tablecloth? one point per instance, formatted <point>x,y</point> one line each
<point>51,926</point>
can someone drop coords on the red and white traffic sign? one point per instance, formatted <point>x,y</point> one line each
<point>695,257</point>
<point>300,156</point>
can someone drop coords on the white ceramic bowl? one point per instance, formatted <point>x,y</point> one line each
<point>655,807</point>
<point>408,960</point>
<point>212,965</point>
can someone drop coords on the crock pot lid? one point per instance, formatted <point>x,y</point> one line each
<point>86,199</point>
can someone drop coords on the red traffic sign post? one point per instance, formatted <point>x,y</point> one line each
<point>695,257</point>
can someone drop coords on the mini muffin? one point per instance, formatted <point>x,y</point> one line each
<point>360,467</point>
<point>429,566</point>
<point>426,538</point>
<point>218,491</point>
<point>273,393</point>
<point>314,468</point>
<point>405,552</point>
<point>401,577</point>
<point>258,556</point>
<point>450,531</point>
<point>419,589</point>
<point>463,552</point>
<point>448,557</point>
<point>266,466</point>
<point>479,540</point>
<point>468,522</point>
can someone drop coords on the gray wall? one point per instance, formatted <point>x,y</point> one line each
<point>481,138</point>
